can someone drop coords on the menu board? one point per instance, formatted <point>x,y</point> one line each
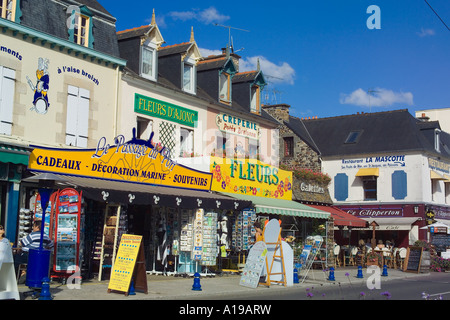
<point>413,259</point>
<point>441,241</point>
<point>130,252</point>
<point>254,265</point>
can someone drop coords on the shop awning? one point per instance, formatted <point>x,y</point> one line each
<point>392,224</point>
<point>368,172</point>
<point>282,207</point>
<point>14,154</point>
<point>143,194</point>
<point>447,178</point>
<point>436,176</point>
<point>340,217</point>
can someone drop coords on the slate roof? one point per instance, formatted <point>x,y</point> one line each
<point>381,132</point>
<point>50,17</point>
<point>134,32</point>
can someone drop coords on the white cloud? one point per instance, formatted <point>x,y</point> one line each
<point>205,16</point>
<point>275,73</point>
<point>378,97</point>
<point>208,52</point>
<point>425,32</point>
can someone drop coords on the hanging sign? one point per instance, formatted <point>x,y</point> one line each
<point>131,161</point>
<point>250,177</point>
<point>128,264</point>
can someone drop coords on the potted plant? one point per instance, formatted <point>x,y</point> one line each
<point>373,259</point>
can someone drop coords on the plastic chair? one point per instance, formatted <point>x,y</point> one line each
<point>387,257</point>
<point>401,256</point>
<point>352,256</point>
<point>336,251</point>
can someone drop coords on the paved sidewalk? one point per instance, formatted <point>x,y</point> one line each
<point>180,288</point>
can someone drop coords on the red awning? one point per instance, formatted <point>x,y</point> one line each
<point>342,218</point>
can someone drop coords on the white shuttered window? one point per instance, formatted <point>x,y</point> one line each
<point>77,124</point>
<point>7,84</point>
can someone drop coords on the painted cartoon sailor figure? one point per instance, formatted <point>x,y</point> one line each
<point>40,100</point>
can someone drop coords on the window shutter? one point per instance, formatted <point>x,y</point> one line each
<point>399,185</point>
<point>341,187</point>
<point>83,118</point>
<point>7,84</point>
<point>71,122</point>
<point>77,124</point>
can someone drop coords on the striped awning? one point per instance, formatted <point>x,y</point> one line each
<point>13,154</point>
<point>281,207</point>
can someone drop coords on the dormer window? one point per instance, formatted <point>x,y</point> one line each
<point>8,9</point>
<point>80,30</point>
<point>189,76</point>
<point>437,140</point>
<point>225,87</point>
<point>255,99</point>
<point>148,61</point>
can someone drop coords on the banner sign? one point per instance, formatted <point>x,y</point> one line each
<point>250,177</point>
<point>132,161</point>
<point>164,110</point>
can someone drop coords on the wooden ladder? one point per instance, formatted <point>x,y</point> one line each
<point>277,244</point>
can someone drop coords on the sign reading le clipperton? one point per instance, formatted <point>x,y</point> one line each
<point>135,160</point>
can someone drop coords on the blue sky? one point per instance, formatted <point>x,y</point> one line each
<point>320,57</point>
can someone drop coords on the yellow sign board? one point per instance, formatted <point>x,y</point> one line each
<point>250,177</point>
<point>131,161</point>
<point>123,268</point>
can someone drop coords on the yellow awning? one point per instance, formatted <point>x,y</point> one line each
<point>447,178</point>
<point>368,172</point>
<point>436,176</point>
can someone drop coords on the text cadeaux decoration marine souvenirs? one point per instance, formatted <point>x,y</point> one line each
<point>132,161</point>
<point>250,177</point>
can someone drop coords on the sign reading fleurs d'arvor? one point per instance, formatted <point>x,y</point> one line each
<point>135,160</point>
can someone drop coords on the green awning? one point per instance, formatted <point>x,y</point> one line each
<point>282,207</point>
<point>13,154</point>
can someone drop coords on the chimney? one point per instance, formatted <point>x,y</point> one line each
<point>279,111</point>
<point>233,57</point>
<point>423,117</point>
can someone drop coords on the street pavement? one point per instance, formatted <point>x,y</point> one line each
<point>162,287</point>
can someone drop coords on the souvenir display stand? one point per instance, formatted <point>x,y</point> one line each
<point>66,224</point>
<point>308,255</point>
<point>8,281</point>
<point>254,266</point>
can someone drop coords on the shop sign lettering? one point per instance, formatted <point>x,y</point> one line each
<point>235,125</point>
<point>376,212</point>
<point>311,188</point>
<point>135,160</point>
<point>250,177</point>
<point>164,110</point>
<point>374,162</point>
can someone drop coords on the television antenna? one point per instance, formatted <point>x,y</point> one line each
<point>274,91</point>
<point>371,92</point>
<point>229,32</point>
